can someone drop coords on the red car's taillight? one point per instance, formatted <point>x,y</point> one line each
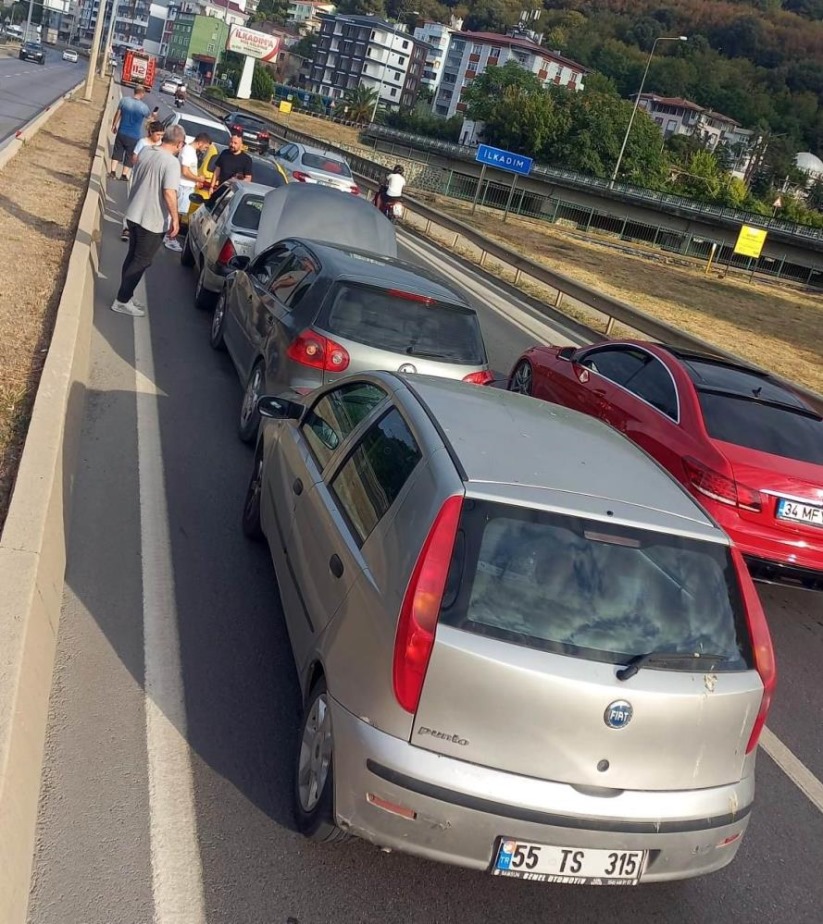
<point>227,251</point>
<point>720,487</point>
<point>300,176</point>
<point>355,190</point>
<point>761,646</point>
<point>421,605</point>
<point>479,378</point>
<point>237,129</point>
<point>318,352</point>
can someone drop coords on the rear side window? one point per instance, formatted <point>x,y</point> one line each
<point>336,415</point>
<point>654,385</point>
<point>247,213</point>
<point>588,589</point>
<point>370,480</point>
<point>327,164</point>
<point>763,427</point>
<point>615,363</point>
<point>294,278</point>
<point>399,323</point>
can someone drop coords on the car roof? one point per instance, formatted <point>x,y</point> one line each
<point>240,114</point>
<point>245,186</point>
<point>364,266</point>
<point>321,152</point>
<point>519,447</point>
<point>199,120</point>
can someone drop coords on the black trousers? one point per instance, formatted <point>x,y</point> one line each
<point>143,246</point>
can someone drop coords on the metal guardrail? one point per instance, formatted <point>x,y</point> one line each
<point>612,308</point>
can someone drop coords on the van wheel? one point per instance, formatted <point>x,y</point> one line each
<point>313,793</point>
<point>249,415</point>
<point>204,298</point>
<point>186,256</point>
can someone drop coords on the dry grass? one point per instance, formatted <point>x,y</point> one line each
<point>41,194</point>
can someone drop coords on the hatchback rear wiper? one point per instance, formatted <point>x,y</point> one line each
<point>650,657</point>
<point>413,351</point>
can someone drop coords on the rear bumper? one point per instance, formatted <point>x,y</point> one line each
<point>463,810</point>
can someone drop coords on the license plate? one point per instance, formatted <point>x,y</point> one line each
<point>799,513</point>
<point>250,135</point>
<point>572,865</point>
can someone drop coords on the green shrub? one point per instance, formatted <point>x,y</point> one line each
<point>214,92</point>
<point>262,85</point>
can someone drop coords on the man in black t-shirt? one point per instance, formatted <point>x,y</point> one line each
<point>232,162</point>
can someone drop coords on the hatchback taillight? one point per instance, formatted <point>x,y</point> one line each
<point>300,176</point>
<point>479,378</point>
<point>421,605</point>
<point>761,646</point>
<point>720,487</point>
<point>319,352</point>
<point>227,251</point>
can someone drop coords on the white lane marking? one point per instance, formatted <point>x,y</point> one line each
<point>793,767</point>
<point>502,305</point>
<point>177,876</point>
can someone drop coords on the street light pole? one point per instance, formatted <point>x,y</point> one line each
<point>109,39</point>
<point>662,38</point>
<point>95,47</point>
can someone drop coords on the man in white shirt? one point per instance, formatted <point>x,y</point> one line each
<point>189,163</point>
<point>395,182</point>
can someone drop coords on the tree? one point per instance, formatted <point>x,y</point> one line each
<point>276,11</point>
<point>262,84</point>
<point>362,7</point>
<point>360,103</point>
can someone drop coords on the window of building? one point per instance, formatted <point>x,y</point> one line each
<point>494,52</point>
<point>404,46</point>
<point>476,49</point>
<point>393,91</point>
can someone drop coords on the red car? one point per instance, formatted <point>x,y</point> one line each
<point>746,446</point>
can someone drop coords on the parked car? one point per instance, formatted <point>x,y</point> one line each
<point>302,314</point>
<point>194,125</point>
<point>70,55</point>
<point>32,51</point>
<point>745,445</point>
<point>523,648</point>
<point>254,132</point>
<point>304,164</point>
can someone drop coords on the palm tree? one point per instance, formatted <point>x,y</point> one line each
<point>360,102</point>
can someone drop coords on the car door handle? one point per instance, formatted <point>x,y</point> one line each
<point>297,486</point>
<point>336,566</point>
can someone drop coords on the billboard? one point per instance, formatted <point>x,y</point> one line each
<point>58,6</point>
<point>252,43</point>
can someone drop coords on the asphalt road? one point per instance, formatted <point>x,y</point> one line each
<point>26,88</point>
<point>170,613</point>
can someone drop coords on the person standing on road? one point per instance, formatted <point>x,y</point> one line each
<point>154,135</point>
<point>153,196</point>
<point>189,178</point>
<point>232,162</point>
<point>127,128</point>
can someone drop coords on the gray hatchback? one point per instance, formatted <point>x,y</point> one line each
<point>523,648</point>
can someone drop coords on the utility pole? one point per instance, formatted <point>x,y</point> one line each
<point>95,47</point>
<point>109,39</point>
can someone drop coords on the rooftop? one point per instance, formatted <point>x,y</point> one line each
<point>375,23</point>
<point>681,103</point>
<point>509,41</point>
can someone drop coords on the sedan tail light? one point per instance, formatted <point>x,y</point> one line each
<point>479,378</point>
<point>761,646</point>
<point>300,176</point>
<point>355,190</point>
<point>263,136</point>
<point>237,129</point>
<point>720,487</point>
<point>227,251</point>
<point>318,352</point>
<point>421,606</point>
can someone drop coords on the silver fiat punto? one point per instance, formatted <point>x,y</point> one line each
<point>523,647</point>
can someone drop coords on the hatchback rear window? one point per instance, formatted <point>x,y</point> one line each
<point>388,320</point>
<point>247,213</point>
<point>327,164</point>
<point>595,590</point>
<point>763,427</point>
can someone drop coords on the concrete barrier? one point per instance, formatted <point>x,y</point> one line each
<point>30,129</point>
<point>33,551</point>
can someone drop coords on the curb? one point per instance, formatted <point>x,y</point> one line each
<point>33,552</point>
<point>30,129</point>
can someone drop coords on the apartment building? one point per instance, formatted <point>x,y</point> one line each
<point>470,53</point>
<point>365,51</point>
<point>437,36</point>
<point>305,14</point>
<point>196,41</point>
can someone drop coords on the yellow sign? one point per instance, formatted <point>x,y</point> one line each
<point>285,106</point>
<point>750,241</point>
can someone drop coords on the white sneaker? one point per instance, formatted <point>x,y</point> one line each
<point>129,308</point>
<point>173,244</point>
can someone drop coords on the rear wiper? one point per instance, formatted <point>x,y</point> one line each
<point>413,351</point>
<point>650,657</point>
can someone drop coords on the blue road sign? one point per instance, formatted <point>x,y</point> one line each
<point>503,160</point>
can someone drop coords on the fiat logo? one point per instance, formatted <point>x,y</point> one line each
<point>408,368</point>
<point>618,714</point>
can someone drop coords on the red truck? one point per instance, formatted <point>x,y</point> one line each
<point>138,69</point>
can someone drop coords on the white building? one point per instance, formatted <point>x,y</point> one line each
<point>437,35</point>
<point>305,14</point>
<point>471,53</point>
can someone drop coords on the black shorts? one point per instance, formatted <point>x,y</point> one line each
<point>123,148</point>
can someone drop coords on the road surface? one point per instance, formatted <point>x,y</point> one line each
<point>174,708</point>
<point>27,88</point>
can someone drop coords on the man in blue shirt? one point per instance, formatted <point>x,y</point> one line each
<point>127,129</point>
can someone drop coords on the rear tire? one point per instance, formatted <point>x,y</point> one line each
<point>252,526</point>
<point>187,257</point>
<point>313,792</point>
<point>204,298</point>
<point>249,415</point>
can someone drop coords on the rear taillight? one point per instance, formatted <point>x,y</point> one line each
<point>355,190</point>
<point>312,349</point>
<point>237,129</point>
<point>479,378</point>
<point>720,487</point>
<point>421,605</point>
<point>761,646</point>
<point>264,136</point>
<point>227,251</point>
<point>300,176</point>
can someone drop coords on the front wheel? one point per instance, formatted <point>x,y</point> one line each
<point>313,794</point>
<point>249,415</point>
<point>522,380</point>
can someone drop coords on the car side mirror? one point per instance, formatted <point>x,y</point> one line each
<point>196,198</point>
<point>238,262</point>
<point>279,408</point>
<point>567,353</point>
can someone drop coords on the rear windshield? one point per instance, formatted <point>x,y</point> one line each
<point>247,213</point>
<point>217,133</point>
<point>387,321</point>
<point>328,164</point>
<point>588,589</point>
<point>267,175</point>
<point>763,427</point>
<point>248,122</point>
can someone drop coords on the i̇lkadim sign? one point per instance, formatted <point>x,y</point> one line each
<point>750,241</point>
<point>253,44</point>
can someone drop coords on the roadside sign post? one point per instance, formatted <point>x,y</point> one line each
<point>256,46</point>
<point>749,244</point>
<point>518,164</point>
<point>711,258</point>
<point>479,187</point>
